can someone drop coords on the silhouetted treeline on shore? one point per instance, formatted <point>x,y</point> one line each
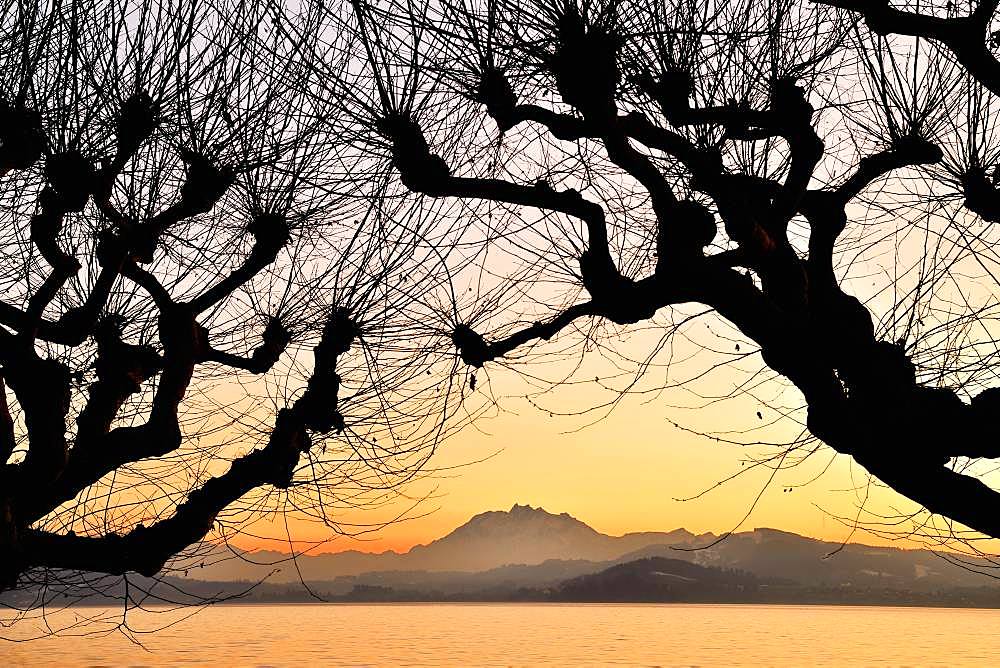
<point>649,580</point>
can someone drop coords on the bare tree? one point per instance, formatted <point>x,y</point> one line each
<point>351,209</point>
<point>198,327</point>
<point>629,159</point>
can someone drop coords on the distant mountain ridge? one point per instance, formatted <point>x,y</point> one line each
<point>521,535</point>
<point>527,535</point>
<point>530,554</point>
<point>528,546</point>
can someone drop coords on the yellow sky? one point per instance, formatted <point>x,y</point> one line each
<point>625,472</point>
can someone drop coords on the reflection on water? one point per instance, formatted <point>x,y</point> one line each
<point>531,635</point>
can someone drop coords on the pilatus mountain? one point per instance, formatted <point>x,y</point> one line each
<point>531,547</point>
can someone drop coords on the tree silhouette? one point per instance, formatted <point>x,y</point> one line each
<point>198,326</point>
<point>347,209</point>
<point>736,155</point>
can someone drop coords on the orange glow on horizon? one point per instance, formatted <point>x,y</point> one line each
<point>624,473</point>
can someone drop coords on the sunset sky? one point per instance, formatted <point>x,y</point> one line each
<point>624,470</point>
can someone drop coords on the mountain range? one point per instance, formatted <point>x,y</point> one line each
<point>531,547</point>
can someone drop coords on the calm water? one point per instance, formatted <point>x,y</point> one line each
<point>530,635</point>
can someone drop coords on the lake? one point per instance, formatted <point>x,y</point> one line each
<point>528,635</point>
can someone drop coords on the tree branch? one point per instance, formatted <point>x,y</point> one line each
<point>146,549</point>
<point>475,351</point>
<point>964,36</point>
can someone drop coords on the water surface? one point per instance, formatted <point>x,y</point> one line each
<point>530,635</point>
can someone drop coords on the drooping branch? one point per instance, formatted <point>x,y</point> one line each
<point>964,36</point>
<point>906,435</point>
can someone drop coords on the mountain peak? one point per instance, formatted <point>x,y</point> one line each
<point>517,508</point>
<point>519,517</point>
<point>524,534</point>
